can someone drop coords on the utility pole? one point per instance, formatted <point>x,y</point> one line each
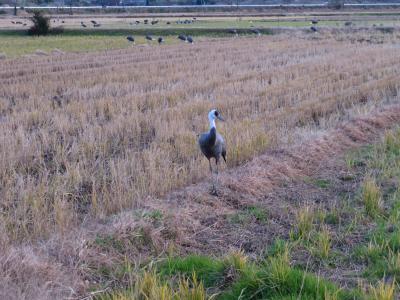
<point>15,7</point>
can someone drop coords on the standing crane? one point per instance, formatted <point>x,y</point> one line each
<point>212,145</point>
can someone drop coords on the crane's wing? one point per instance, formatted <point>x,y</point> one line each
<point>222,146</point>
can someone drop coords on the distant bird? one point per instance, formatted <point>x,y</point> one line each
<point>182,37</point>
<point>233,31</point>
<point>130,38</point>
<point>13,22</point>
<point>348,23</point>
<point>160,40</point>
<point>63,21</point>
<point>314,22</point>
<point>149,37</point>
<point>190,39</point>
<point>255,31</point>
<point>212,144</point>
<point>83,24</point>
<point>97,25</point>
<point>137,22</point>
<point>93,22</point>
<point>24,24</point>
<point>145,21</point>
<point>313,29</point>
<point>154,22</point>
<point>168,23</point>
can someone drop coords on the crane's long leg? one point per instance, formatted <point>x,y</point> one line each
<point>216,163</point>
<point>213,189</point>
<point>212,176</point>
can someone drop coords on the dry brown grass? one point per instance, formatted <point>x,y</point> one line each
<point>92,134</point>
<point>26,275</point>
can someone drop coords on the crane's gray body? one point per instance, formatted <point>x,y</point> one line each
<point>212,145</point>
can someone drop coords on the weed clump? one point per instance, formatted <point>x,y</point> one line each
<point>323,243</point>
<point>383,291</point>
<point>149,286</point>
<point>371,196</point>
<point>305,219</point>
<point>280,267</point>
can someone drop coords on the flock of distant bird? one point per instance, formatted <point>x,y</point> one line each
<point>184,38</point>
<point>154,22</point>
<point>18,23</point>
<point>94,23</point>
<point>190,39</point>
<point>160,40</point>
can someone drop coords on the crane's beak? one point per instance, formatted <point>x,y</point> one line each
<point>220,118</point>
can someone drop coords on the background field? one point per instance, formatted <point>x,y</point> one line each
<point>101,175</point>
<point>115,27</point>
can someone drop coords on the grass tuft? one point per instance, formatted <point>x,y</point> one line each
<point>305,220</point>
<point>207,269</point>
<point>248,214</point>
<point>392,142</point>
<point>323,243</point>
<point>383,291</point>
<point>149,286</point>
<point>279,267</point>
<point>371,196</point>
<point>393,263</point>
<point>237,260</point>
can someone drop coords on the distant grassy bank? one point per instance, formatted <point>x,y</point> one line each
<point>142,31</point>
<point>15,43</point>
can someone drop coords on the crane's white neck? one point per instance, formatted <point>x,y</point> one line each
<point>212,121</point>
